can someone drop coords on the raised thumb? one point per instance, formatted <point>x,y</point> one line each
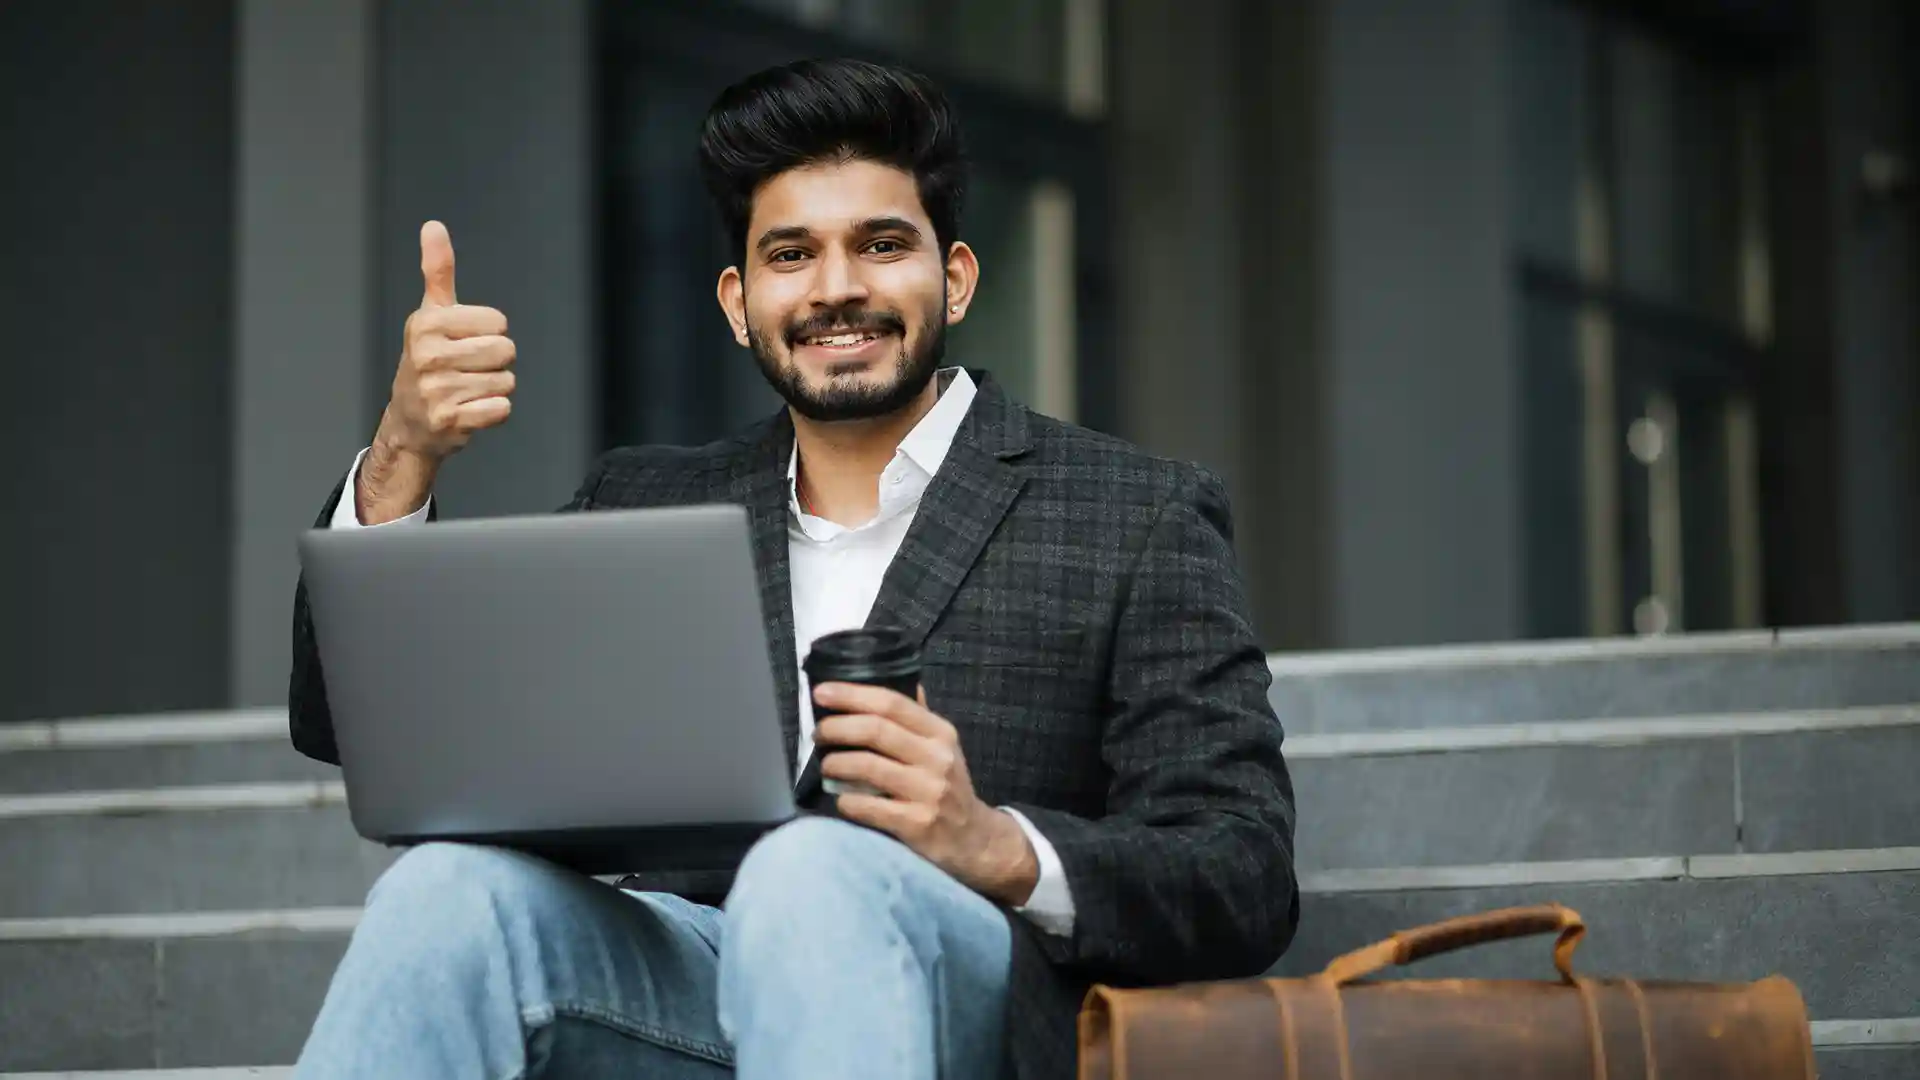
<point>436,265</point>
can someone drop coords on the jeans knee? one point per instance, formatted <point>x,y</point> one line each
<point>815,865</point>
<point>447,899</point>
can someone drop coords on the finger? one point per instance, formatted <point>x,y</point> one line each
<point>462,387</point>
<point>880,701</point>
<point>436,265</point>
<point>483,413</point>
<point>899,818</point>
<point>884,773</point>
<point>884,736</point>
<point>459,321</point>
<point>487,353</point>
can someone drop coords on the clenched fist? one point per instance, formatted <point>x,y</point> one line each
<point>454,379</point>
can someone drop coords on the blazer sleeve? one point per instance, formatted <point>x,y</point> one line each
<point>1190,873</point>
<point>309,719</point>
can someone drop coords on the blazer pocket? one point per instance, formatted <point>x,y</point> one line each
<point>1023,641</point>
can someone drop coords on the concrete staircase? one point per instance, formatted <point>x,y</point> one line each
<point>1718,807</point>
<point>175,891</point>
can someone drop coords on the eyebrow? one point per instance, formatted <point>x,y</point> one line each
<point>783,233</point>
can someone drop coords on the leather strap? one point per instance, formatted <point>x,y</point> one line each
<point>1596,1039</point>
<point>1649,1067</point>
<point>1339,1008</point>
<point>1318,1047</point>
<point>1289,1037</point>
<point>1408,946</point>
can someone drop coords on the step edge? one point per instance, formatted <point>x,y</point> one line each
<point>212,1073</point>
<point>1634,731</point>
<point>170,926</point>
<point>152,729</point>
<point>1491,875</point>
<point>266,795</point>
<point>1423,658</point>
<point>1886,1031</point>
<point>1607,871</point>
<point>1827,1035</point>
<point>1804,863</point>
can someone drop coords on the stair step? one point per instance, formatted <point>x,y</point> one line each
<point>134,992</point>
<point>1835,922</point>
<point>1463,686</point>
<point>1876,1063</point>
<point>229,1073</point>
<point>122,992</point>
<point>182,849</point>
<point>1762,782</point>
<point>152,751</point>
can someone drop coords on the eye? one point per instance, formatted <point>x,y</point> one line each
<point>886,247</point>
<point>787,255</point>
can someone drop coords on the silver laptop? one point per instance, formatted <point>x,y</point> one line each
<point>594,687</point>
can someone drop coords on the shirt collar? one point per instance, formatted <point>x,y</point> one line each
<point>927,444</point>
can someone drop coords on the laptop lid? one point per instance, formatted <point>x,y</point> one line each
<point>560,675</point>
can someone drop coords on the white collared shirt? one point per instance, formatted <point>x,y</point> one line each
<point>836,574</point>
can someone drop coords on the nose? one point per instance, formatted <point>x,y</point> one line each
<point>837,280</point>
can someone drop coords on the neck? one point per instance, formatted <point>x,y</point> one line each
<point>841,460</point>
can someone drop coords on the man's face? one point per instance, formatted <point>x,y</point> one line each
<point>844,295</point>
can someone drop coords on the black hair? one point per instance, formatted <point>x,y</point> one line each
<point>817,111</point>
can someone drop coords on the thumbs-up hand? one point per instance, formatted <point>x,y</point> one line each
<point>454,379</point>
<point>454,376</point>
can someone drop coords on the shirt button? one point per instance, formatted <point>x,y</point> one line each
<point>897,478</point>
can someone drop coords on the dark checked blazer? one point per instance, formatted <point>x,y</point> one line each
<point>1083,625</point>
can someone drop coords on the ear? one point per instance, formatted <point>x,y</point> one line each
<point>732,294</point>
<point>963,276</point>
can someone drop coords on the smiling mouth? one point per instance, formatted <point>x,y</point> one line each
<point>846,339</point>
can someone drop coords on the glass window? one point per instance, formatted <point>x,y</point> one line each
<point>1637,216</point>
<point>1025,46</point>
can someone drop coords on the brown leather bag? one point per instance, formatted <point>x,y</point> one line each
<point>1330,1025</point>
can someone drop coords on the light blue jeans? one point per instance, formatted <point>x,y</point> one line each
<point>840,953</point>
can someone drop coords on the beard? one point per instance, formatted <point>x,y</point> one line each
<point>846,397</point>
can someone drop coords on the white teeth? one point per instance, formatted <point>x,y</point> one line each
<point>841,339</point>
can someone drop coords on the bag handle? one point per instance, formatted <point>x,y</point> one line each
<point>1408,946</point>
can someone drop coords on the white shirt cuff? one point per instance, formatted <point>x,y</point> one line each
<point>346,514</point>
<point>1051,906</point>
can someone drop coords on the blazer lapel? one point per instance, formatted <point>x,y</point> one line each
<point>963,506</point>
<point>758,481</point>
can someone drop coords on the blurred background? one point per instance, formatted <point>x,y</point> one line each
<point>1502,319</point>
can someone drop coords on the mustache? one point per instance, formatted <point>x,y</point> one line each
<point>847,320</point>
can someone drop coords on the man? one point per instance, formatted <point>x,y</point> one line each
<point>1089,787</point>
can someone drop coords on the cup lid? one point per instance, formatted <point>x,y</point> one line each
<point>872,645</point>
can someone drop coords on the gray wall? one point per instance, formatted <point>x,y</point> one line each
<point>302,299</point>
<point>115,214</point>
<point>1175,130</point>
<point>1423,394</point>
<point>485,123</point>
<point>1865,48</point>
<point>1339,343</point>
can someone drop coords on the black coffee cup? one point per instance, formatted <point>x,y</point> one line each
<point>874,656</point>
